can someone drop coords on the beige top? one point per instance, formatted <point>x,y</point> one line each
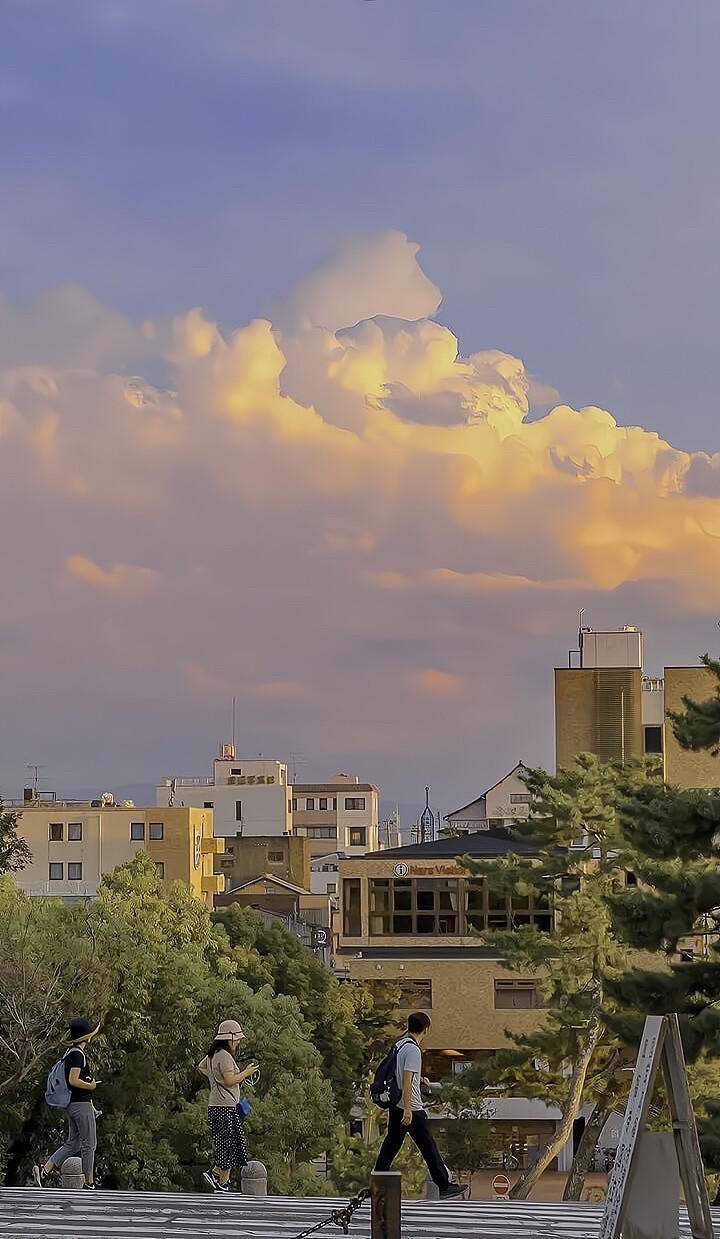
<point>221,1094</point>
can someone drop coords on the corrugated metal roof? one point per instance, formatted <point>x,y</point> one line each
<point>30,1213</point>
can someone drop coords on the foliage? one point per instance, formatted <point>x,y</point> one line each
<point>152,968</point>
<point>15,852</point>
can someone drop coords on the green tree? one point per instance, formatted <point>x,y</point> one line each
<point>573,859</point>
<point>353,1159</point>
<point>15,852</point>
<point>152,968</point>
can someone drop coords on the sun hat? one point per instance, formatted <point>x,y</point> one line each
<point>80,1030</point>
<point>227,1030</point>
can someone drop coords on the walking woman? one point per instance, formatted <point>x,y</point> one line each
<point>225,1122</point>
<point>81,1137</point>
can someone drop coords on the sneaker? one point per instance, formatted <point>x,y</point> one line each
<point>39,1176</point>
<point>453,1191</point>
<point>214,1182</point>
<point>88,1187</point>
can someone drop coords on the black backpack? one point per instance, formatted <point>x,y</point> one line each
<point>384,1089</point>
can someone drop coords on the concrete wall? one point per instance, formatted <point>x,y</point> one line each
<point>683,768</point>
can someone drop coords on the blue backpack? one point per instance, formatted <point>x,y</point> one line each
<point>57,1091</point>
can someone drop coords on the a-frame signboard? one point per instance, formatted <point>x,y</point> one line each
<point>660,1045</point>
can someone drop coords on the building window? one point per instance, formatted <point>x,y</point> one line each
<point>310,804</point>
<point>160,868</point>
<point>334,802</point>
<point>238,810</point>
<point>352,916</point>
<point>332,888</point>
<point>294,804</point>
<point>411,995</point>
<point>56,832</point>
<point>137,831</point>
<point>276,858</point>
<point>413,906</point>
<point>358,836</point>
<point>488,909</point>
<point>56,871</point>
<point>517,798</point>
<point>74,832</point>
<point>355,802</point>
<point>290,806</point>
<point>235,770</point>
<point>157,830</point>
<point>317,832</point>
<point>323,803</point>
<point>517,996</point>
<point>496,823</point>
<point>74,871</point>
<point>653,739</point>
<point>208,804</point>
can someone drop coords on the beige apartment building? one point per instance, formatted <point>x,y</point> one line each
<point>605,704</point>
<point>74,843</point>
<point>339,816</point>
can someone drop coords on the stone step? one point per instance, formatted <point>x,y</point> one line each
<point>32,1213</point>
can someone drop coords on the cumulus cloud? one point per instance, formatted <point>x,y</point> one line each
<point>328,511</point>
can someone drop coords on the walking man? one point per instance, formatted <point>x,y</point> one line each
<point>81,1137</point>
<point>408,1115</point>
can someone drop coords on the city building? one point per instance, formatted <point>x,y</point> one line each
<point>74,843</point>
<point>247,797</point>
<point>339,816</point>
<point>502,804</point>
<point>283,856</point>
<point>407,920</point>
<point>605,704</point>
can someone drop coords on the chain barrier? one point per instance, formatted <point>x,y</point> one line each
<point>338,1217</point>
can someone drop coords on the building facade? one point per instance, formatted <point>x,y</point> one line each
<point>605,704</point>
<point>283,856</point>
<point>407,917</point>
<point>500,806</point>
<point>246,797</point>
<point>340,816</point>
<point>74,843</point>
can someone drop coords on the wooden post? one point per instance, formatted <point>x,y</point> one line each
<point>386,1204</point>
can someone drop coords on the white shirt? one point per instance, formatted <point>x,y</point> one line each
<point>409,1058</point>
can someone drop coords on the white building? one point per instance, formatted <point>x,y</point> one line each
<point>501,805</point>
<point>247,797</point>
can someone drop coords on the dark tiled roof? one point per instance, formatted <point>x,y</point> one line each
<point>497,842</point>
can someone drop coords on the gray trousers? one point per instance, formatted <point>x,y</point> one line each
<point>81,1137</point>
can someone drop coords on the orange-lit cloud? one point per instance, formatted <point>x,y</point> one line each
<point>121,578</point>
<point>337,503</point>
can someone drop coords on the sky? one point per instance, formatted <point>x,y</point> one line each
<point>347,349</point>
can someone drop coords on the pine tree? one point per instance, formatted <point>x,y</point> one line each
<point>573,860</point>
<point>675,910</point>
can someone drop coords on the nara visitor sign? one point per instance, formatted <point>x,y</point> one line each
<point>660,1046</point>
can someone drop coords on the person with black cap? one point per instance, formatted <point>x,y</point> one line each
<point>81,1137</point>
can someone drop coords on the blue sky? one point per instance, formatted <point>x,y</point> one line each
<point>556,162</point>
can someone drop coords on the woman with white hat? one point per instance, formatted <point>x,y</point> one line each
<point>224,1119</point>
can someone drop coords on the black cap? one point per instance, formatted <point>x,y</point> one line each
<point>79,1029</point>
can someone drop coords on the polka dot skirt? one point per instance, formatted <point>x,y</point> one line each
<point>228,1136</point>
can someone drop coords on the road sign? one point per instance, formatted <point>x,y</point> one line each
<point>501,1185</point>
<point>661,1046</point>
